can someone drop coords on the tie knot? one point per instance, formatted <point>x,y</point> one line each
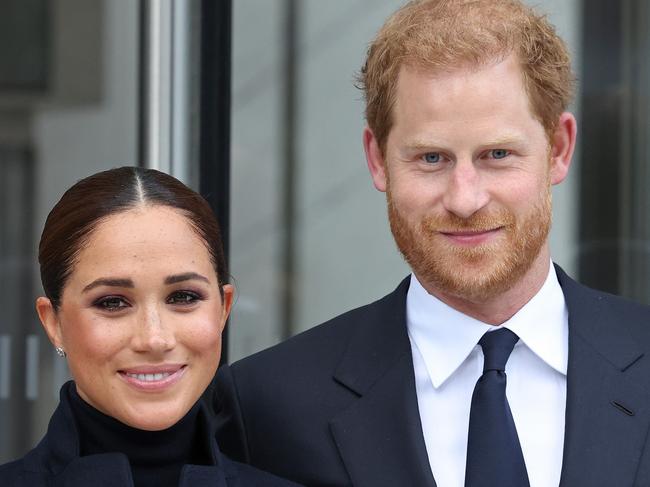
<point>497,346</point>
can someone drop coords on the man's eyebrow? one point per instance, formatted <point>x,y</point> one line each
<point>109,281</point>
<point>432,145</point>
<point>187,276</point>
<point>509,140</point>
<point>419,144</point>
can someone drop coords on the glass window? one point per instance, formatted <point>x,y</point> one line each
<point>69,111</point>
<point>309,233</point>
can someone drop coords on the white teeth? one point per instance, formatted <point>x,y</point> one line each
<point>149,377</point>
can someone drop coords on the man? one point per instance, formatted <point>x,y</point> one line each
<point>467,131</point>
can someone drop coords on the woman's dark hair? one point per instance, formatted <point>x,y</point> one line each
<point>95,198</point>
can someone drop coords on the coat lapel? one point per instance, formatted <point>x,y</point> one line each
<point>58,452</point>
<point>195,475</point>
<point>102,470</point>
<point>380,436</point>
<point>607,412</point>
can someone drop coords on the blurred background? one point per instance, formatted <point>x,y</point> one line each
<point>252,102</point>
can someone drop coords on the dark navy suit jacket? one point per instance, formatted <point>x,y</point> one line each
<point>336,405</point>
<point>55,462</point>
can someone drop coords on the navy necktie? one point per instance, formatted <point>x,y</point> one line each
<point>494,457</point>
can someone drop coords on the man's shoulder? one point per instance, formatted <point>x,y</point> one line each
<point>327,341</point>
<point>631,314</point>
<point>590,306</point>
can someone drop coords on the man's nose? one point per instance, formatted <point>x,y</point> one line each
<point>153,333</point>
<point>464,194</point>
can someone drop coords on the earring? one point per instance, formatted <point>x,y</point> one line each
<point>60,352</point>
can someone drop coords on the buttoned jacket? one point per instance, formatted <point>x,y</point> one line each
<point>337,406</point>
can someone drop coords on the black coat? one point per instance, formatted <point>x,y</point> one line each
<point>55,462</point>
<point>340,403</point>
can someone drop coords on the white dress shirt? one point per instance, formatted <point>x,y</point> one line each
<point>448,361</point>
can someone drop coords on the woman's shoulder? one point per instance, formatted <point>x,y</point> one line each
<point>46,459</point>
<point>249,475</point>
<point>17,474</point>
<point>11,472</point>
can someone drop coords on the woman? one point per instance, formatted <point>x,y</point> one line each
<point>137,297</point>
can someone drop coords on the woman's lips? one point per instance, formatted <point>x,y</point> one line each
<point>471,237</point>
<point>152,378</point>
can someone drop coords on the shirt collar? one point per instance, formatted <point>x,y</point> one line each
<point>445,337</point>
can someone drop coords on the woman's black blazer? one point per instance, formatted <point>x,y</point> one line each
<point>55,462</point>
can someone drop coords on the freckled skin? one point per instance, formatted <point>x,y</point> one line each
<point>152,326</point>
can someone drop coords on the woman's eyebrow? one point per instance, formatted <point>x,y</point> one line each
<point>109,281</point>
<point>187,276</point>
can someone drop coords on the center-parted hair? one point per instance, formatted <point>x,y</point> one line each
<point>442,35</point>
<point>95,198</point>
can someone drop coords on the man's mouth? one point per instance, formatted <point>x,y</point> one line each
<point>473,236</point>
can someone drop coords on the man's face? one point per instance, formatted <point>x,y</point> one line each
<point>467,171</point>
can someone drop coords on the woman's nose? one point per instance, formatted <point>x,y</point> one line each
<point>154,333</point>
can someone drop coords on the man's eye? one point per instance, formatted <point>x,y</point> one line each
<point>111,303</point>
<point>183,297</point>
<point>499,153</point>
<point>432,157</point>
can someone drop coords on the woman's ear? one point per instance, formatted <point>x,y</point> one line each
<point>50,321</point>
<point>228,298</point>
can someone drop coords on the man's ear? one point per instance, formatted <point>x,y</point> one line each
<point>375,159</point>
<point>563,144</point>
<point>50,321</point>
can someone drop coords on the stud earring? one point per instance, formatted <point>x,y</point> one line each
<point>60,352</point>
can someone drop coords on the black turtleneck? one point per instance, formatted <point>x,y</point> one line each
<point>156,457</point>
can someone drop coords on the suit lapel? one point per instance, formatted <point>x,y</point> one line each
<point>380,436</point>
<point>607,413</point>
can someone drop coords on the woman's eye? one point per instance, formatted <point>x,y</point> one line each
<point>432,157</point>
<point>499,153</point>
<point>111,303</point>
<point>183,297</point>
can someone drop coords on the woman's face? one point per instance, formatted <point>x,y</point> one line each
<point>141,317</point>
